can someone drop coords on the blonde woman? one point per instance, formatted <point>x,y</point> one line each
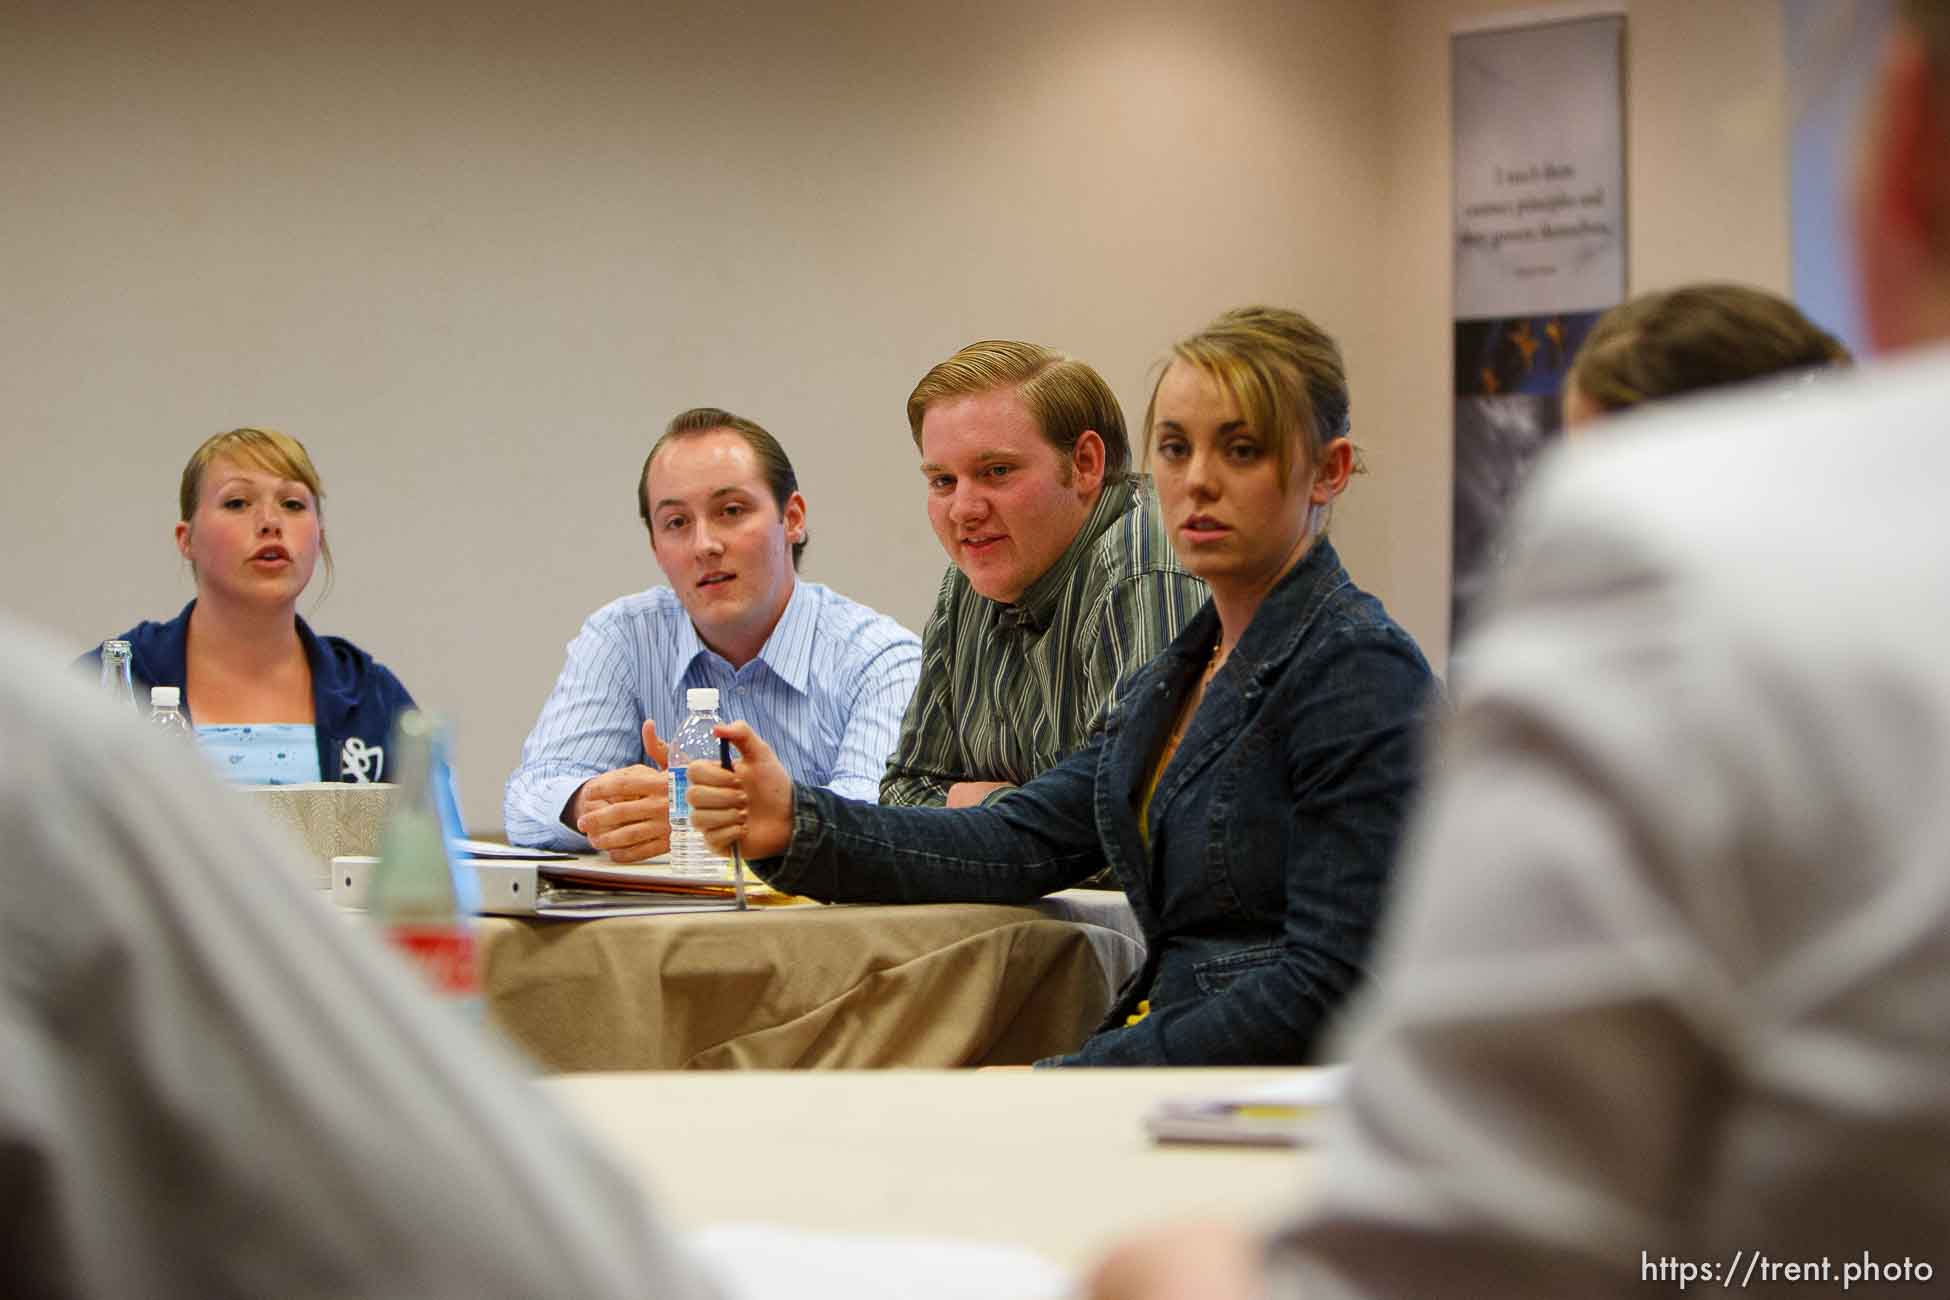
<point>272,702</point>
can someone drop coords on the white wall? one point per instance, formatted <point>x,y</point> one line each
<point>1706,198</point>
<point>475,254</point>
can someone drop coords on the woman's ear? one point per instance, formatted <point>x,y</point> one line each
<point>183,539</point>
<point>1331,474</point>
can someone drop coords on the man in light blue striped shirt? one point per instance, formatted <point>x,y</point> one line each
<point>824,679</point>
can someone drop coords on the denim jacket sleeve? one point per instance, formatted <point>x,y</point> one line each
<point>1041,838</point>
<point>1351,758</point>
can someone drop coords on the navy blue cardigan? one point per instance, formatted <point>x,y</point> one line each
<point>354,697</point>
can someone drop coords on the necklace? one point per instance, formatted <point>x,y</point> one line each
<point>1212,665</point>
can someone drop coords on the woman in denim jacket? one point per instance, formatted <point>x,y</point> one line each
<point>1248,786</point>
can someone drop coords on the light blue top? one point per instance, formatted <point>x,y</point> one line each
<point>827,692</point>
<point>265,753</point>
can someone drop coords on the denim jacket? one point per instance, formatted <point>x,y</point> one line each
<point>1272,829</point>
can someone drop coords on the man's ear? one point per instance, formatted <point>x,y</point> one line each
<point>795,518</point>
<point>1087,463</point>
<point>1331,474</point>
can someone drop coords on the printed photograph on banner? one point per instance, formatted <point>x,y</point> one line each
<point>1509,381</point>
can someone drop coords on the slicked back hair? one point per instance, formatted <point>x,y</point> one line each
<point>773,463</point>
<point>1065,396</point>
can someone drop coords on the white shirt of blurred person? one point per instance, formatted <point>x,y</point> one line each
<point>1064,579</point>
<point>209,1086</point>
<point>825,679</point>
<point>1664,999</point>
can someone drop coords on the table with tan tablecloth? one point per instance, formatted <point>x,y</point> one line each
<point>935,985</point>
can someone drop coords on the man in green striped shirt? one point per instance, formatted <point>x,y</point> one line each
<point>1064,579</point>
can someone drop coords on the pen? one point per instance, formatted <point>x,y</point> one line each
<point>737,850</point>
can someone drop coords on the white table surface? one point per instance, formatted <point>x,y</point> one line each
<point>1053,1160</point>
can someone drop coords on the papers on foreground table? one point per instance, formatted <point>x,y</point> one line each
<point>1285,1112</point>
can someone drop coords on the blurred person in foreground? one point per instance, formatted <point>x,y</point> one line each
<point>822,677</point>
<point>1247,786</point>
<point>211,1086</point>
<point>1699,336</point>
<point>272,702</point>
<point>1667,986</point>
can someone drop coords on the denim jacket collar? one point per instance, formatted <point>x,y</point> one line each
<point>1277,626</point>
<point>1271,639</point>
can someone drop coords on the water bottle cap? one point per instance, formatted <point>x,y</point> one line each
<point>703,698</point>
<point>165,697</point>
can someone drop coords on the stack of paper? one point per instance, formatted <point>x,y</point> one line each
<point>567,886</point>
<point>585,886</point>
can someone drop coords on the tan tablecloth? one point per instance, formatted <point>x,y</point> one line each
<point>831,987</point>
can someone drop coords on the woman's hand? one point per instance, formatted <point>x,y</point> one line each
<point>750,806</point>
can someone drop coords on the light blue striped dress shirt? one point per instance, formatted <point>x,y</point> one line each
<point>827,692</point>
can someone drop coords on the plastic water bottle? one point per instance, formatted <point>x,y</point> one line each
<point>414,900</point>
<point>689,854</point>
<point>118,680</point>
<point>166,712</point>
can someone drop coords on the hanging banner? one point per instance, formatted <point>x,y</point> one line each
<point>1539,254</point>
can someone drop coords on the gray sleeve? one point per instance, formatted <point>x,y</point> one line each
<point>210,1085</point>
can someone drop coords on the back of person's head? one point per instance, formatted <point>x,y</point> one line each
<point>780,478</point>
<point>264,449</point>
<point>1066,397</point>
<point>1699,336</point>
<point>1285,372</point>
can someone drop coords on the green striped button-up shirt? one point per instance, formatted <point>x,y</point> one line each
<point>1008,691</point>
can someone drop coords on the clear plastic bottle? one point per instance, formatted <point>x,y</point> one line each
<point>166,711</point>
<point>689,854</point>
<point>414,899</point>
<point>118,679</point>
